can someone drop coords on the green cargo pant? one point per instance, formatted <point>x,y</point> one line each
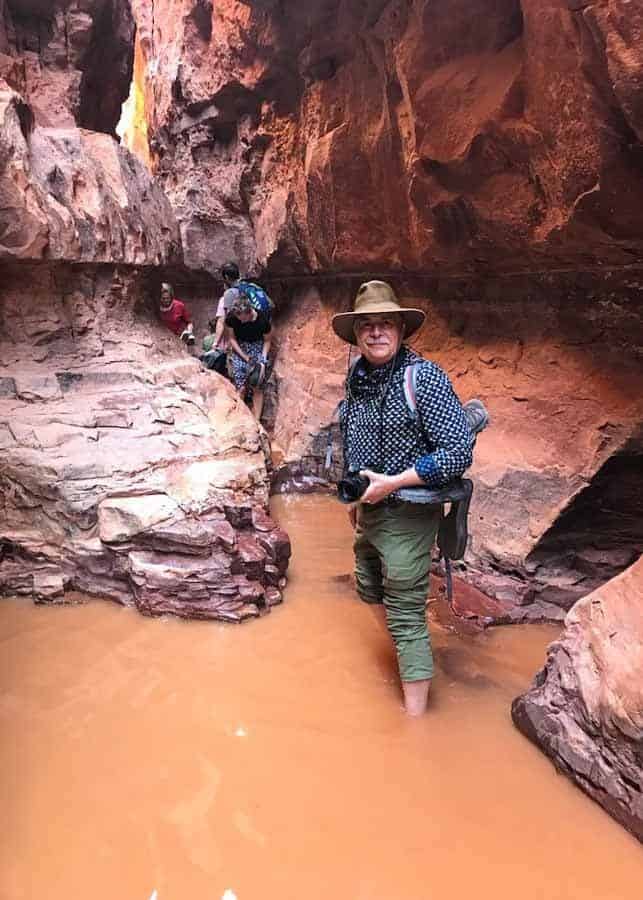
<point>392,561</point>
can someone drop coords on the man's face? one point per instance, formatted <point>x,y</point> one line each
<point>245,315</point>
<point>166,298</point>
<point>379,336</point>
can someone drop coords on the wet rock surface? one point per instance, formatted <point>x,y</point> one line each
<point>585,708</point>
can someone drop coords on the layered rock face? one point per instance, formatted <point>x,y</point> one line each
<point>439,137</point>
<point>585,708</point>
<point>126,470</point>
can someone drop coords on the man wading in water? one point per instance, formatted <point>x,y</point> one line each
<point>394,449</point>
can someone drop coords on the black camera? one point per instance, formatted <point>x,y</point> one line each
<point>351,487</point>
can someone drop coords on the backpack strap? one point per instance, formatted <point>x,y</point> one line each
<point>452,531</point>
<point>410,388</point>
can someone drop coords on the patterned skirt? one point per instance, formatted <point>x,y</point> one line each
<point>240,368</point>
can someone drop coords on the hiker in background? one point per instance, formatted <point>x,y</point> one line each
<point>249,335</point>
<point>391,450</point>
<point>174,315</point>
<point>237,286</point>
<point>230,276</point>
<point>213,356</point>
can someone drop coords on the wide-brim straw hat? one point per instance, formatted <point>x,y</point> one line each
<point>375,297</point>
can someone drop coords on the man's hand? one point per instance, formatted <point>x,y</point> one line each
<point>380,486</point>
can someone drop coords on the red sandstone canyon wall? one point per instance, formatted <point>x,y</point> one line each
<point>71,60</point>
<point>439,137</point>
<point>584,708</point>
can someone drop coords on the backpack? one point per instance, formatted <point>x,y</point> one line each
<point>257,297</point>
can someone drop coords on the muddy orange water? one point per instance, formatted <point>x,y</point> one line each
<point>273,760</point>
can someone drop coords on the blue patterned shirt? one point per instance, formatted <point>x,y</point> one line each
<point>381,433</point>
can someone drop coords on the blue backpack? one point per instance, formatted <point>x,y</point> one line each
<point>257,297</point>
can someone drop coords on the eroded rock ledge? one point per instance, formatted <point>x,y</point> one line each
<point>585,708</point>
<point>127,471</point>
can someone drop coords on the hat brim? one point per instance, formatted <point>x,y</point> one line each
<point>343,322</point>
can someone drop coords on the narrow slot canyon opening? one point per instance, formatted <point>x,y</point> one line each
<point>132,126</point>
<point>101,99</point>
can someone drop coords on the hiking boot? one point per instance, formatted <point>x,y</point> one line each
<point>476,415</point>
<point>452,531</point>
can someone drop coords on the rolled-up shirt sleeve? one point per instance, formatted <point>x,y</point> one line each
<point>443,421</point>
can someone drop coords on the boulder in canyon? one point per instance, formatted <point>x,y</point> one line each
<point>585,708</point>
<point>101,493</point>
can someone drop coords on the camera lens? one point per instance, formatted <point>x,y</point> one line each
<point>351,488</point>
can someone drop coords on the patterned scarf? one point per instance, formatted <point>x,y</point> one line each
<point>363,413</point>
